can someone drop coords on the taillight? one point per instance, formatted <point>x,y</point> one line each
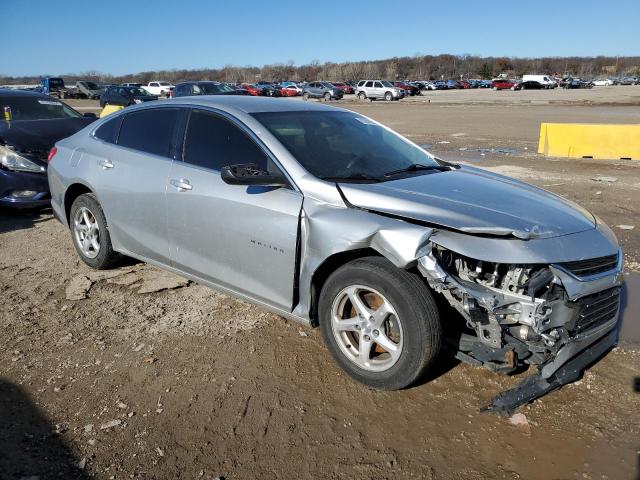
<point>52,153</point>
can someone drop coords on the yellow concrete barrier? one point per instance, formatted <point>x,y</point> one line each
<point>590,140</point>
<point>108,109</point>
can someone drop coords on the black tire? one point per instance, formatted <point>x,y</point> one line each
<point>388,96</point>
<point>106,257</point>
<point>102,104</point>
<point>417,314</point>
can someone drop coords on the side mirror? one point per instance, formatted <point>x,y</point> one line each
<point>90,115</point>
<point>250,174</point>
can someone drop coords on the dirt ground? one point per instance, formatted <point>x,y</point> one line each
<point>134,373</point>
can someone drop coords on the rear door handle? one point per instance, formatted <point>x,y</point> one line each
<point>106,164</point>
<point>182,185</point>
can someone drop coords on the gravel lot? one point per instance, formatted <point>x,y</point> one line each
<point>135,373</point>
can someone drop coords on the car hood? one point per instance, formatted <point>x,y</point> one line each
<point>40,135</point>
<point>473,201</point>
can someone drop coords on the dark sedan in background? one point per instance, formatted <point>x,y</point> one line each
<point>186,89</point>
<point>30,126</point>
<point>125,96</point>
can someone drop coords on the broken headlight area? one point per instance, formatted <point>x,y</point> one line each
<point>513,314</point>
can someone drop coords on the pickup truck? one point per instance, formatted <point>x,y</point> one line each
<point>162,89</point>
<point>55,87</point>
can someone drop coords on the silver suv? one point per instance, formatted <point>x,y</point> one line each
<point>329,218</point>
<point>378,89</point>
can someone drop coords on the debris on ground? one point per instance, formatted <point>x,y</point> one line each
<point>604,179</point>
<point>110,424</point>
<point>626,227</point>
<point>78,288</point>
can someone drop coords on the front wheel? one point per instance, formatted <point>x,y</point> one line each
<point>305,96</point>
<point>388,96</point>
<point>90,233</point>
<point>380,323</point>
<point>327,97</point>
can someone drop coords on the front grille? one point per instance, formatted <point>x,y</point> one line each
<point>597,309</point>
<point>585,268</point>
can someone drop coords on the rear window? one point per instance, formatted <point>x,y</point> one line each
<point>149,131</point>
<point>108,131</point>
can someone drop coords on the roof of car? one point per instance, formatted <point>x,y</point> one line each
<point>249,104</point>
<point>12,92</point>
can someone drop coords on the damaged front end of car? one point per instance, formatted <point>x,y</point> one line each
<point>560,317</point>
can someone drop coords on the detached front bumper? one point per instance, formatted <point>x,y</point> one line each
<point>535,386</point>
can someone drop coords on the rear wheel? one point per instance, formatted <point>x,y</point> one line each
<point>90,233</point>
<point>380,323</point>
<point>362,96</point>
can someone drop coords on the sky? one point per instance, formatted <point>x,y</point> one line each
<point>118,37</point>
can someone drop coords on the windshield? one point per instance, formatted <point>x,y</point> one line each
<point>34,108</point>
<point>163,84</point>
<point>208,88</point>
<point>91,85</point>
<point>343,145</point>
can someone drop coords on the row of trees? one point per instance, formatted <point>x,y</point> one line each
<point>418,67</point>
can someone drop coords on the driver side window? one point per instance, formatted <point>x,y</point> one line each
<point>213,142</point>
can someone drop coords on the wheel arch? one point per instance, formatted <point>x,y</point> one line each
<point>327,267</point>
<point>70,195</point>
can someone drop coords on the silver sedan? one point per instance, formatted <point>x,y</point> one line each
<point>327,217</point>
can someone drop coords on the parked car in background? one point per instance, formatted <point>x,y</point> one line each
<point>546,81</point>
<point>323,90</point>
<point>55,87</point>
<point>131,85</point>
<point>269,90</point>
<point>287,91</point>
<point>377,90</point>
<point>441,85</point>
<point>529,85</point>
<point>573,83</point>
<point>503,84</point>
<point>346,89</point>
<point>252,89</point>
<point>89,89</point>
<point>411,90</point>
<point>125,96</point>
<point>337,221</point>
<point>158,88</point>
<point>32,123</point>
<point>484,84</point>
<point>628,81</point>
<point>205,88</point>
<point>293,87</point>
<point>603,82</point>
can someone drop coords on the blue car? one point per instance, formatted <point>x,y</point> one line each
<point>30,125</point>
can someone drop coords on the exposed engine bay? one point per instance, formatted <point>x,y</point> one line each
<point>520,314</point>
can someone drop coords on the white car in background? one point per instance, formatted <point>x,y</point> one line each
<point>606,82</point>
<point>159,88</point>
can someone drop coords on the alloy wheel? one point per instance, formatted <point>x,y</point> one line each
<point>86,232</point>
<point>367,328</point>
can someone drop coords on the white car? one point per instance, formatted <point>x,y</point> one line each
<point>606,82</point>
<point>161,89</point>
<point>378,89</point>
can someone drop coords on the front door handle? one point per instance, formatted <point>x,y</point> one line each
<point>182,185</point>
<point>106,164</point>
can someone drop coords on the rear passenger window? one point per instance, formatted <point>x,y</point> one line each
<point>108,131</point>
<point>213,142</point>
<point>377,85</point>
<point>369,84</point>
<point>149,131</point>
